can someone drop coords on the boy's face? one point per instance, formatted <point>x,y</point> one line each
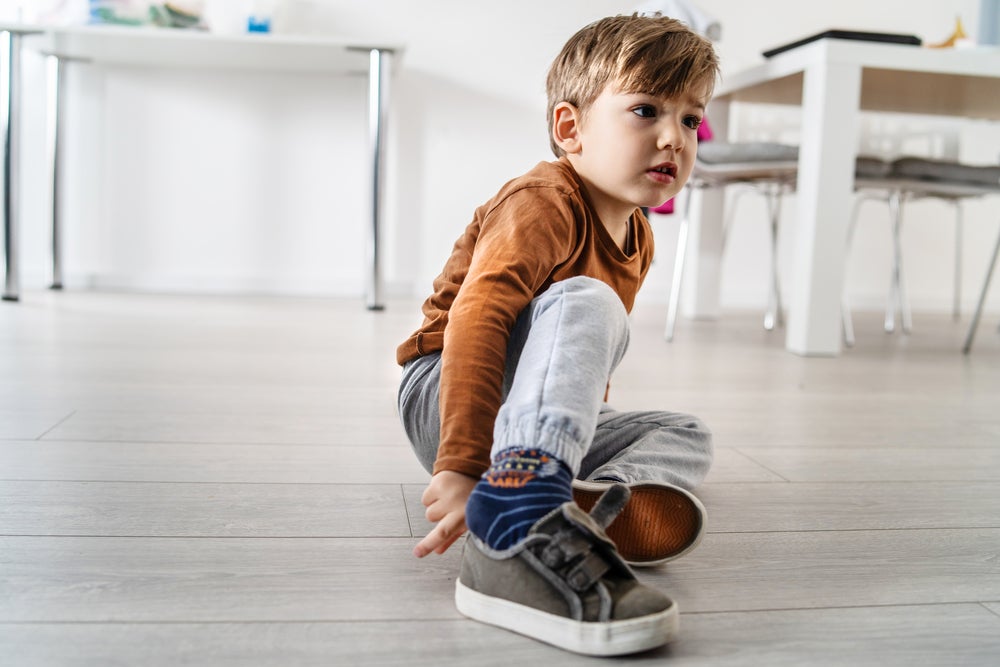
<point>634,149</point>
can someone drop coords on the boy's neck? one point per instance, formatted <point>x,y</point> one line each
<point>622,235</point>
<point>615,218</point>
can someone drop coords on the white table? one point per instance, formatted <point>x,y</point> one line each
<point>832,79</point>
<point>151,47</point>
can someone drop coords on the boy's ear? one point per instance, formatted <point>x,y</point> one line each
<point>566,127</point>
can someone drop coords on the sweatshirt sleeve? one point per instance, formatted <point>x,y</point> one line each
<point>523,239</point>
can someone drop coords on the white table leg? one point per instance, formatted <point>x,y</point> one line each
<point>830,101</point>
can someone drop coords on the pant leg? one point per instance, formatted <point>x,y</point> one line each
<point>649,446</point>
<point>628,446</point>
<point>574,335</point>
<point>560,355</point>
<point>418,406</point>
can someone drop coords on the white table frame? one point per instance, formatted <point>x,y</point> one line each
<point>150,47</point>
<point>832,80</point>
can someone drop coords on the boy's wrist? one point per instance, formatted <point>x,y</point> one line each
<point>468,467</point>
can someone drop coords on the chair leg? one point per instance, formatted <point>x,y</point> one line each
<point>956,300</point>
<point>982,299</point>
<point>846,321</point>
<point>773,315</point>
<point>890,306</point>
<point>897,290</point>
<point>675,284</point>
<point>847,324</point>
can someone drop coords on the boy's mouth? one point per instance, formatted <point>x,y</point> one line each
<point>665,172</point>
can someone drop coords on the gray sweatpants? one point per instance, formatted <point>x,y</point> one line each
<point>561,354</point>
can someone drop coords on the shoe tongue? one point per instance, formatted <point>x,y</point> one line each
<point>610,504</point>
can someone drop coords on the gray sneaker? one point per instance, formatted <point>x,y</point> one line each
<point>566,585</point>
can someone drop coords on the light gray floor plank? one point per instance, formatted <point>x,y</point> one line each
<point>823,426</point>
<point>115,509</point>
<point>731,465</point>
<point>737,508</point>
<point>932,635</point>
<point>212,395</point>
<point>29,424</point>
<point>879,636</point>
<point>419,524</point>
<point>58,579</point>
<point>260,428</point>
<point>305,579</point>
<point>768,571</point>
<point>159,462</point>
<point>879,464</point>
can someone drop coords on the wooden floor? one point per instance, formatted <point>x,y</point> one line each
<point>223,481</point>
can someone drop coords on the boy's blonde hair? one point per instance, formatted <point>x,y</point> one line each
<point>640,54</point>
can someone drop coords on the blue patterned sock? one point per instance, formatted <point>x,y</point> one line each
<point>521,487</point>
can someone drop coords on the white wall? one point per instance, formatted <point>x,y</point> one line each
<point>219,182</point>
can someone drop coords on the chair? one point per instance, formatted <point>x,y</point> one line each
<point>766,167</point>
<point>912,178</point>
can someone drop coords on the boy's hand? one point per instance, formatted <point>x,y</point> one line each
<point>445,499</point>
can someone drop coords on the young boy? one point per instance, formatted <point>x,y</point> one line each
<point>504,384</point>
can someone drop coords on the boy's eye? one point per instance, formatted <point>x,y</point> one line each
<point>645,111</point>
<point>692,122</point>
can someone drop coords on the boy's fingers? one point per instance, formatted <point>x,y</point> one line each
<point>430,542</point>
<point>451,540</point>
<point>433,515</point>
<point>439,539</point>
<point>422,548</point>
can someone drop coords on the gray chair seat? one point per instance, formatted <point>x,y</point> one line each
<point>724,152</point>
<point>947,171</point>
<point>723,163</point>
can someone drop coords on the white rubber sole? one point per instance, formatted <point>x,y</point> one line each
<point>611,638</point>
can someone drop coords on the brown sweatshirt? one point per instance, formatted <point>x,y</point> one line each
<point>539,229</point>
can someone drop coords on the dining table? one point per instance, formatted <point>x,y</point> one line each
<point>832,80</point>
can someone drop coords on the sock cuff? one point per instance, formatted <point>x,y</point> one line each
<point>516,466</point>
<point>554,435</point>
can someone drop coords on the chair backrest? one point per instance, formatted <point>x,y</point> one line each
<point>767,122</point>
<point>890,136</point>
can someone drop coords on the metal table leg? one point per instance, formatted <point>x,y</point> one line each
<point>10,95</point>
<point>379,66</point>
<point>54,142</point>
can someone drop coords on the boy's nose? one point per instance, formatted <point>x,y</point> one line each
<point>670,137</point>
